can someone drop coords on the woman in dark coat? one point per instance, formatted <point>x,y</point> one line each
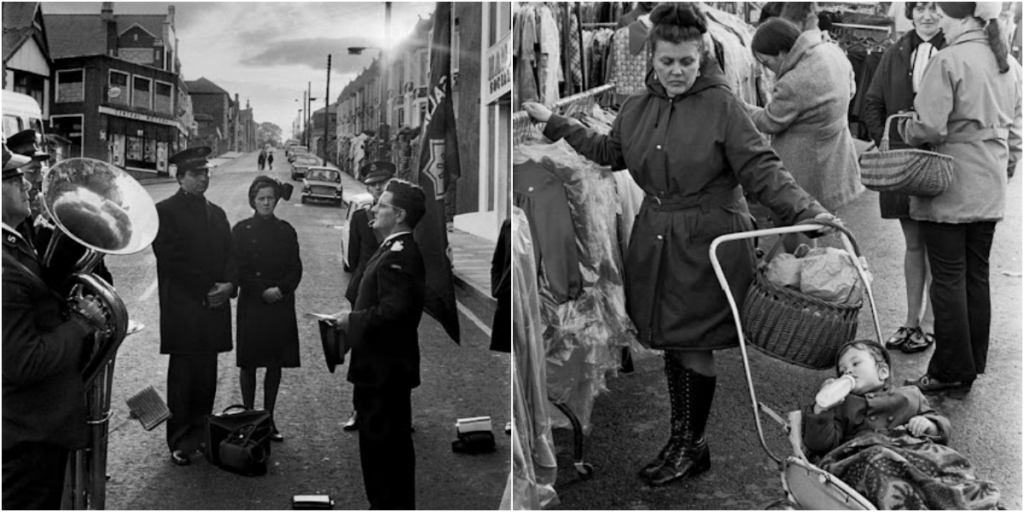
<point>892,90</point>
<point>689,144</point>
<point>267,251</point>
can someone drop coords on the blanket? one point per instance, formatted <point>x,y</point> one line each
<point>907,473</point>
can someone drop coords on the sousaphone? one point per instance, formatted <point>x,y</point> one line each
<point>101,209</point>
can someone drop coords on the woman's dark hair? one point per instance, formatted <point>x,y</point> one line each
<point>677,22</point>
<point>774,36</point>
<point>961,10</point>
<point>798,12</point>
<point>259,183</point>
<point>877,351</point>
<point>908,8</point>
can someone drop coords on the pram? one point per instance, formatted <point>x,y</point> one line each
<point>807,486</point>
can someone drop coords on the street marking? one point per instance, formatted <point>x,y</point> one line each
<point>472,318</point>
<point>149,292</point>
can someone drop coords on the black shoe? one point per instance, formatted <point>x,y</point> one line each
<point>686,453</point>
<point>276,436</point>
<point>685,460</point>
<point>672,371</point>
<point>352,424</point>
<point>898,340</point>
<point>930,385</point>
<point>918,341</point>
<point>180,458</point>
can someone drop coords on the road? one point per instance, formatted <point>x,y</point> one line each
<point>317,457</point>
<point>631,420</point>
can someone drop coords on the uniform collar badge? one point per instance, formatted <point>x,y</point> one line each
<point>397,246</point>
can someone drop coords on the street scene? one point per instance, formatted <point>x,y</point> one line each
<point>262,267</point>
<point>768,255</point>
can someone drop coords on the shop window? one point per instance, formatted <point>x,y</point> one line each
<point>117,88</point>
<point>142,96</point>
<point>400,117</point>
<point>134,149</point>
<point>70,86</point>
<point>163,100</point>
<point>424,68</point>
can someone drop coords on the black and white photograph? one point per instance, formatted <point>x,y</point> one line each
<point>767,255</point>
<point>257,255</point>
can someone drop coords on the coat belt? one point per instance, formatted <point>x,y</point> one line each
<point>705,201</point>
<point>980,134</point>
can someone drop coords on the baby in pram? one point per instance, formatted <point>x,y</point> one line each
<point>887,442</point>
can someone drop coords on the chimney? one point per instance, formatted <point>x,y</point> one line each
<point>110,24</point>
<point>170,14</point>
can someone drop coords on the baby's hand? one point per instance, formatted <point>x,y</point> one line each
<point>921,426</point>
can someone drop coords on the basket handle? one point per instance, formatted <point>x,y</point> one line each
<point>778,243</point>
<point>884,146</point>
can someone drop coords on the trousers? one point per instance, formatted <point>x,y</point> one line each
<point>958,255</point>
<point>385,446</point>
<point>34,476</point>
<point>191,390</point>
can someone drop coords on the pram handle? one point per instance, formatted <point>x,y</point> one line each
<point>802,227</point>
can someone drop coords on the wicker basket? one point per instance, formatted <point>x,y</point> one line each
<point>910,171</point>
<point>794,327</point>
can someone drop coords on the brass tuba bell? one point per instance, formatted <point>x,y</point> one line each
<point>105,211</point>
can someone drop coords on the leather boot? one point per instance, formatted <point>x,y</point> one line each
<point>672,376</point>
<point>690,456</point>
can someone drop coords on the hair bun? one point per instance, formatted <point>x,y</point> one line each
<point>685,15</point>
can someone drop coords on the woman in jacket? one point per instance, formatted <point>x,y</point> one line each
<point>689,144</point>
<point>968,107</point>
<point>267,251</point>
<point>892,90</point>
<point>807,115</point>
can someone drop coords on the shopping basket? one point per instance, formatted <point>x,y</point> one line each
<point>795,327</point>
<point>911,171</point>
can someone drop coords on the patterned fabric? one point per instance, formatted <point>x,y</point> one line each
<point>628,71</point>
<point>575,57</point>
<point>906,473</point>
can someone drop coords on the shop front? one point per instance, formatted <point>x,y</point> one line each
<point>138,142</point>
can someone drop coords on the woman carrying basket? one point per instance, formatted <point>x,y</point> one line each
<point>689,144</point>
<point>892,90</point>
<point>968,107</point>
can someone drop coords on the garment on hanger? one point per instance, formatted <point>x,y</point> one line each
<point>628,68</point>
<point>550,74</point>
<point>575,54</point>
<point>525,62</point>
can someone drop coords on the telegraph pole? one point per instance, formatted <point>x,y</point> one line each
<point>309,114</point>
<point>327,107</point>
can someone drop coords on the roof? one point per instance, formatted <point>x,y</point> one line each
<point>75,35</point>
<point>153,23</point>
<point>17,20</point>
<point>333,108</point>
<point>204,86</point>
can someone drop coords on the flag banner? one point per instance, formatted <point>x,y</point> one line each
<point>438,171</point>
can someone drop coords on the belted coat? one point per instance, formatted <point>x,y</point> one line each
<point>690,154</point>
<point>193,252</point>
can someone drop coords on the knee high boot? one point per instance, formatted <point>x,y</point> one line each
<point>672,377</point>
<point>692,396</point>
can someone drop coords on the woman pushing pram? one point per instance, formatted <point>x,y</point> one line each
<point>887,442</point>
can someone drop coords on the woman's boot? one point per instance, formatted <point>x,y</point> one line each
<point>693,394</point>
<point>672,375</point>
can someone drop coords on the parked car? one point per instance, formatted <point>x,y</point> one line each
<point>301,164</point>
<point>293,152</point>
<point>322,183</point>
<point>358,202</point>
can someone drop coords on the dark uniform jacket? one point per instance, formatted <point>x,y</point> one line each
<point>267,252</point>
<point>690,154</point>
<point>362,243</point>
<point>43,393</point>
<point>881,410</point>
<point>501,289</point>
<point>386,315</point>
<point>193,251</point>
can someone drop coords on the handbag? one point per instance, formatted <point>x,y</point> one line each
<point>232,427</point>
<point>909,171</point>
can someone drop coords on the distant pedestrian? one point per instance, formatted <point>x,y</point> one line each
<point>270,159</point>
<point>262,159</point>
<point>197,277</point>
<point>383,333</point>
<point>269,270</point>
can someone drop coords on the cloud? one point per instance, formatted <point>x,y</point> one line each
<point>312,52</point>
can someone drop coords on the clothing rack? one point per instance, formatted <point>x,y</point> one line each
<point>599,25</point>
<point>522,124</point>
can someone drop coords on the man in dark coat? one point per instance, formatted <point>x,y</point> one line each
<point>43,393</point>
<point>363,241</point>
<point>385,364</point>
<point>198,276</point>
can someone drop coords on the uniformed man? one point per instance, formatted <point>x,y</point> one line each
<point>27,143</point>
<point>44,409</point>
<point>363,241</point>
<point>198,276</point>
<point>385,363</point>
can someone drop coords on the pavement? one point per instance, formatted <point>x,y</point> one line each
<point>630,421</point>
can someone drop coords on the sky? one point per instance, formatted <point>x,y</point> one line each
<point>268,52</point>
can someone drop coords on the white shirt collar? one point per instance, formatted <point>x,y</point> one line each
<point>11,230</point>
<point>394,235</point>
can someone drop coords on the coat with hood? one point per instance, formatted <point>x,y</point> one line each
<point>967,109</point>
<point>693,155</point>
<point>807,119</point>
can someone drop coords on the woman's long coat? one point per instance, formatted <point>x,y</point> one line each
<point>807,118</point>
<point>267,251</point>
<point>689,154</point>
<point>193,252</point>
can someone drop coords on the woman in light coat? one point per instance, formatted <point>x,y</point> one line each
<point>807,115</point>
<point>968,107</point>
